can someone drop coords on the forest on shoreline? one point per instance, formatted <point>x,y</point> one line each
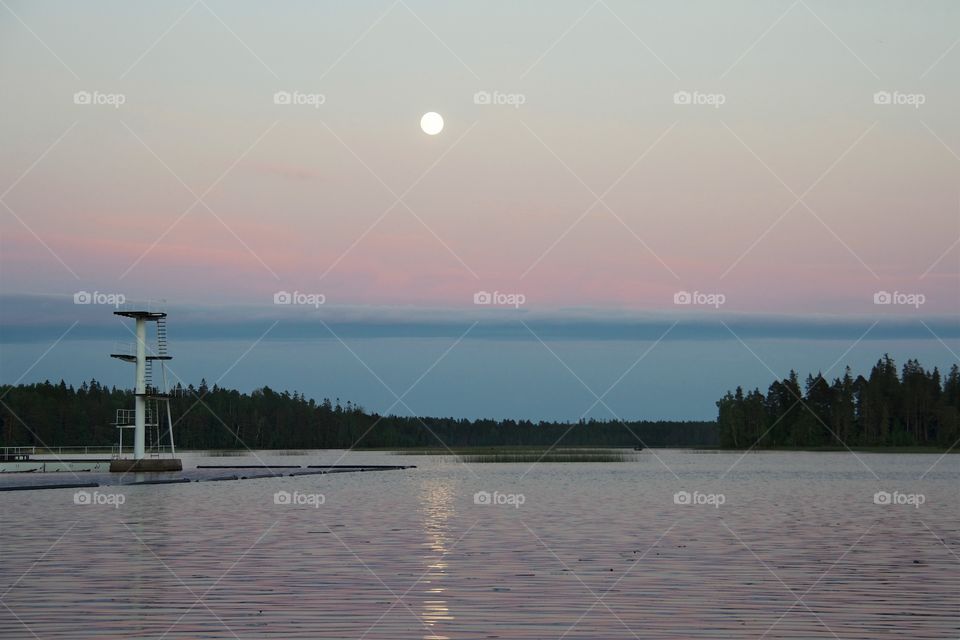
<point>57,414</point>
<point>913,408</point>
<point>886,409</point>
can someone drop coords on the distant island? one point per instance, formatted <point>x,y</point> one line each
<point>917,408</point>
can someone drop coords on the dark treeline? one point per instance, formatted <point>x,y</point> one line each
<point>915,408</point>
<point>217,418</point>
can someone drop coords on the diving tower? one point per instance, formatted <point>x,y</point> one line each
<point>153,448</point>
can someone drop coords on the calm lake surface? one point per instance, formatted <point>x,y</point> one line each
<point>774,545</point>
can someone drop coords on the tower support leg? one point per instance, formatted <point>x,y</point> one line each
<point>140,406</point>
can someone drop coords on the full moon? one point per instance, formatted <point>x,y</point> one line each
<point>431,123</point>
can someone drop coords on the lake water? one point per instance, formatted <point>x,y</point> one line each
<point>774,545</point>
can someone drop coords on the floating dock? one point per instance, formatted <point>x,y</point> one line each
<point>146,465</point>
<point>183,480</point>
<point>56,465</point>
<point>26,460</point>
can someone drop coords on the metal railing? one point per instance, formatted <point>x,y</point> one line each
<point>117,452</point>
<point>125,348</point>
<point>58,451</point>
<point>14,451</point>
<point>127,418</point>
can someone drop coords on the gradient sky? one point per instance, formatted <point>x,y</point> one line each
<point>598,198</point>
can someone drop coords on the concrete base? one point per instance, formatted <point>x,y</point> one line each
<point>146,464</point>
